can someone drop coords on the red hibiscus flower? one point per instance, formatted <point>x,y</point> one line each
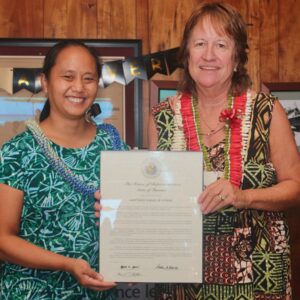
<point>229,115</point>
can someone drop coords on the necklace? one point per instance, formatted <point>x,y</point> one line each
<point>217,128</point>
<point>60,166</point>
<point>208,126</point>
<point>236,134</point>
<point>212,131</point>
<point>208,165</point>
<point>56,162</point>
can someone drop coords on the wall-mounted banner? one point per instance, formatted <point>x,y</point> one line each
<point>120,71</point>
<point>171,58</point>
<point>155,63</point>
<point>28,79</point>
<point>142,67</point>
<point>112,72</point>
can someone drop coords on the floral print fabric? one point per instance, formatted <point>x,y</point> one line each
<point>54,216</point>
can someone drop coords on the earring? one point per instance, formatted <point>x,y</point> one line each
<point>88,116</point>
<point>92,112</point>
<point>95,109</point>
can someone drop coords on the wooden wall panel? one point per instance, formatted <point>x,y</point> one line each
<point>166,25</point>
<point>269,68</point>
<point>21,18</point>
<point>103,19</point>
<point>55,21</point>
<point>142,24</point>
<point>254,19</point>
<point>117,19</point>
<point>81,19</point>
<point>167,20</point>
<point>289,42</point>
<point>70,19</point>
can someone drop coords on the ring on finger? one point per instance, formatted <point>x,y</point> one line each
<point>221,197</point>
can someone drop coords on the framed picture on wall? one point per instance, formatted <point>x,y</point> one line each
<point>21,97</point>
<point>288,94</point>
<point>160,90</point>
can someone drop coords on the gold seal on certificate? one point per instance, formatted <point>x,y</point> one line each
<point>151,223</point>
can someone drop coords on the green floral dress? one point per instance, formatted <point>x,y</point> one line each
<point>54,216</point>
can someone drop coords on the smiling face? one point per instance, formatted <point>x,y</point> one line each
<point>211,60</point>
<point>72,84</point>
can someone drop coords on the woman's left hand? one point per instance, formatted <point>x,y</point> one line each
<point>220,194</point>
<point>97,205</point>
<point>86,276</point>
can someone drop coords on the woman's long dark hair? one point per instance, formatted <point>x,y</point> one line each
<point>50,60</point>
<point>227,19</point>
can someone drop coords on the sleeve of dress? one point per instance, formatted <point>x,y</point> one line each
<point>11,170</point>
<point>114,135</point>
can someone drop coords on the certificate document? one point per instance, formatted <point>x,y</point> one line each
<point>151,223</point>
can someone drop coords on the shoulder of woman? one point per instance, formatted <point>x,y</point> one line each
<point>168,104</point>
<point>108,129</point>
<point>261,99</point>
<point>24,138</point>
<point>262,107</point>
<point>113,133</point>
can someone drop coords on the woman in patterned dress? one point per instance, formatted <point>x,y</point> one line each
<point>49,175</point>
<point>249,149</point>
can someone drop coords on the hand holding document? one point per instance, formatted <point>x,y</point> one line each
<point>151,223</point>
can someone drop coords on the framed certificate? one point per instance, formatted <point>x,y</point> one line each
<point>151,223</point>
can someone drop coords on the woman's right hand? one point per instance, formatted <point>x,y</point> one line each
<point>220,194</point>
<point>86,276</point>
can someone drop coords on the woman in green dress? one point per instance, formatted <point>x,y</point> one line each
<point>248,147</point>
<point>49,176</point>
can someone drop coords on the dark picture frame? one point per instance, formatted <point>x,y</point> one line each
<point>104,48</point>
<point>288,94</point>
<point>271,87</point>
<point>159,87</point>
